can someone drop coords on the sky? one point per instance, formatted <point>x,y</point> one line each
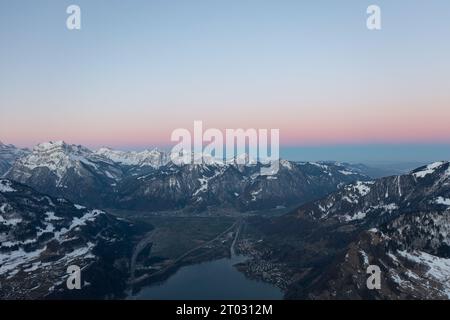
<point>137,70</point>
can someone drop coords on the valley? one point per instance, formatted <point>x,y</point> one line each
<point>206,271</point>
<point>177,242</point>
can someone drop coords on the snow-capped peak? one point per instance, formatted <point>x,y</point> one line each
<point>242,159</point>
<point>59,157</point>
<point>287,164</point>
<point>50,144</point>
<point>153,158</point>
<point>61,146</point>
<point>429,169</point>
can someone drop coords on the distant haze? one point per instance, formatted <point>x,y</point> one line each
<point>370,154</point>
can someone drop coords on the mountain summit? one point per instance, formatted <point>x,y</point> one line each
<point>152,158</point>
<point>62,169</point>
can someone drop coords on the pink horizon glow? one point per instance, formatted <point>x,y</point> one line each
<point>288,137</point>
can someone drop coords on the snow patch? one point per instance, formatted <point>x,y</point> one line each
<point>5,186</point>
<point>3,207</point>
<point>428,170</point>
<point>348,199</point>
<point>443,201</point>
<point>255,193</point>
<point>51,216</point>
<point>365,257</point>
<point>362,188</point>
<point>438,268</point>
<point>10,222</point>
<point>10,261</point>
<point>386,207</point>
<point>322,166</point>
<point>357,216</point>
<point>89,216</point>
<point>346,172</point>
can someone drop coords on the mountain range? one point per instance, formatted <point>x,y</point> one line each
<point>149,181</point>
<point>40,236</point>
<point>400,224</point>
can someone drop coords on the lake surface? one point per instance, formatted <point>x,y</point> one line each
<point>216,279</point>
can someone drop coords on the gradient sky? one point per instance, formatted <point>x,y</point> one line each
<point>139,69</point>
